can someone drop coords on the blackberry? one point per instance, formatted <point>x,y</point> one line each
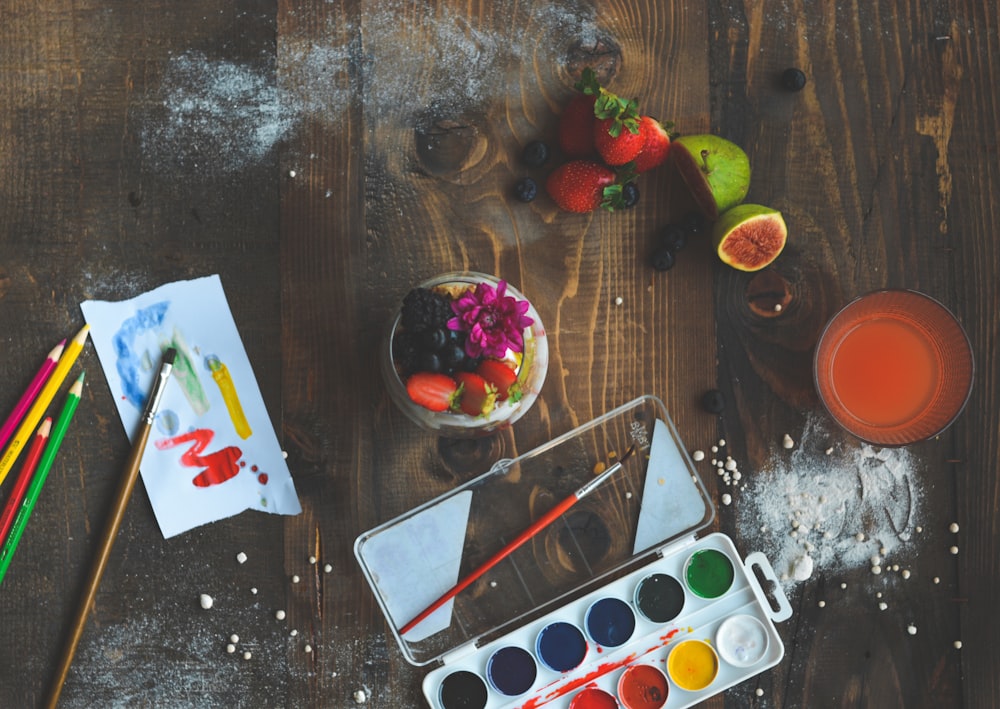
<point>405,352</point>
<point>535,153</point>
<point>424,309</point>
<point>526,189</point>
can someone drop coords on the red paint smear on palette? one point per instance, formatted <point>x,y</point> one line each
<point>557,689</point>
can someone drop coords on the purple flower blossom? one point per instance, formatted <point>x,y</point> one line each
<point>494,320</point>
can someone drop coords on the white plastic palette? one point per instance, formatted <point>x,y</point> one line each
<point>586,615</point>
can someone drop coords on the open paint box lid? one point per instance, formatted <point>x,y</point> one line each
<point>654,501</point>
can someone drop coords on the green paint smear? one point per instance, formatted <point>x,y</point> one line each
<point>185,374</point>
<point>709,573</point>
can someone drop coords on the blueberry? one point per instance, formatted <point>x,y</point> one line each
<point>693,223</point>
<point>526,189</point>
<point>663,259</point>
<point>453,356</point>
<point>793,79</point>
<point>673,238</point>
<point>471,364</point>
<point>433,340</point>
<point>535,153</point>
<point>713,401</point>
<point>630,195</point>
<point>429,362</point>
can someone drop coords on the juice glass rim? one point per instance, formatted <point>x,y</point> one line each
<point>833,321</point>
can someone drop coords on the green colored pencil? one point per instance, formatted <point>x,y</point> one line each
<point>38,480</point>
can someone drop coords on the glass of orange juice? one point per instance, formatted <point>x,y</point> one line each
<point>894,367</point>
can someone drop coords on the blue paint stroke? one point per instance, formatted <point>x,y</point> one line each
<point>128,362</point>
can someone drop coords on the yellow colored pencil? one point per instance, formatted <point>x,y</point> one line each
<point>23,434</point>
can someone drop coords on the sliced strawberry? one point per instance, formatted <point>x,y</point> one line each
<point>575,132</point>
<point>502,377</point>
<point>435,392</point>
<point>655,144</point>
<point>580,185</point>
<point>477,396</point>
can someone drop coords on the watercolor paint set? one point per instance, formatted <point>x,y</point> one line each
<point>616,603</point>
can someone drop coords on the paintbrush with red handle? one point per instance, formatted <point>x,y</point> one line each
<point>540,524</point>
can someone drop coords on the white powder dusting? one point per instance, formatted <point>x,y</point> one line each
<point>408,60</point>
<point>807,510</point>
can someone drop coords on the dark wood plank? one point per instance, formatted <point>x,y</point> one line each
<point>323,157</point>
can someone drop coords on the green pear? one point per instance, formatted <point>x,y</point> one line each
<point>716,171</point>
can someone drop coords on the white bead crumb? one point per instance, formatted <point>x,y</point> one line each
<point>905,573</point>
<point>714,449</point>
<point>312,559</point>
<point>618,300</point>
<point>843,585</point>
<point>860,536</point>
<point>361,696</point>
<point>291,173</point>
<point>234,638</point>
<point>206,601</point>
<point>829,451</point>
<point>722,443</point>
<point>230,648</point>
<point>957,644</point>
<point>953,527</point>
<point>328,568</point>
<point>883,605</point>
<point>698,455</point>
<point>937,579</point>
<point>308,648</point>
<point>493,584</point>
<point>876,570</point>
<point>787,442</point>
<point>293,632</point>
<point>730,465</point>
<point>821,604</point>
<point>247,655</point>
<point>759,692</point>
<point>284,454</point>
<point>727,499</point>
<point>911,629</point>
<point>777,307</point>
<point>279,614</point>
<point>241,557</point>
<point>295,579</point>
<point>919,529</point>
<point>253,590</point>
<point>953,550</point>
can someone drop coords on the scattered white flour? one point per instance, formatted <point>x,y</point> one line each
<point>807,510</point>
<point>409,60</point>
<point>206,601</point>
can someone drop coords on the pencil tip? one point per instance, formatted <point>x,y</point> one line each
<point>169,355</point>
<point>46,427</point>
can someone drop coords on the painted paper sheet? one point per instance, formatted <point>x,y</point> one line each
<point>212,452</point>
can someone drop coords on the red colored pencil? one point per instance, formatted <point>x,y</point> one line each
<point>30,393</point>
<point>24,478</point>
<point>540,524</point>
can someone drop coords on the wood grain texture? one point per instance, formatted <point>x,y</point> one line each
<point>323,157</point>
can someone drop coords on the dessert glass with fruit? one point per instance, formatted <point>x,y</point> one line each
<point>465,355</point>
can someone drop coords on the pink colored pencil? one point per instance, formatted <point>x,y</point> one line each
<point>24,478</point>
<point>30,393</point>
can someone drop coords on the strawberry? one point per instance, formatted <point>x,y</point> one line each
<point>582,186</point>
<point>502,377</point>
<point>477,397</point>
<point>433,391</point>
<point>575,132</point>
<point>655,144</point>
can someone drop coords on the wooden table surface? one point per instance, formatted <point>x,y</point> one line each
<point>322,156</point>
